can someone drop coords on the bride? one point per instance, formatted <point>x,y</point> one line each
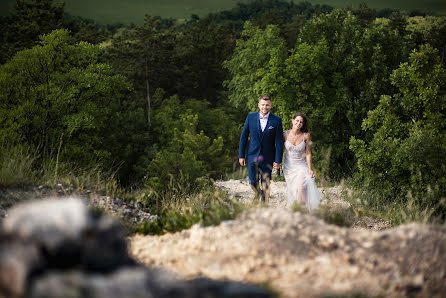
<point>297,170</point>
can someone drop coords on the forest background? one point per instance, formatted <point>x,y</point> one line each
<point>156,108</point>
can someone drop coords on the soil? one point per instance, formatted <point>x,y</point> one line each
<point>299,255</point>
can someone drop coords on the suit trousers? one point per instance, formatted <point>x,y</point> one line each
<point>259,171</point>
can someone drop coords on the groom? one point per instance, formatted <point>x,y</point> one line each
<point>265,147</point>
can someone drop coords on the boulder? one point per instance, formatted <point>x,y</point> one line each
<point>57,247</point>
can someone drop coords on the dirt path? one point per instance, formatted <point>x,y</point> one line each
<point>241,190</point>
<point>331,199</point>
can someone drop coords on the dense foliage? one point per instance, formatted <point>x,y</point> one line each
<point>162,103</point>
<point>335,74</point>
<point>405,158</point>
<point>58,94</point>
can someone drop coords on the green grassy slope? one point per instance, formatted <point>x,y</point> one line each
<point>110,11</point>
<point>434,7</point>
<point>115,11</point>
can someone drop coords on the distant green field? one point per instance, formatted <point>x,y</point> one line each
<point>113,11</point>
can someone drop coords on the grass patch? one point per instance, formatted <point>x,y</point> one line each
<point>342,217</point>
<point>16,166</point>
<point>176,209</point>
<point>80,179</point>
<point>367,202</point>
<point>180,212</point>
<point>20,166</point>
<point>278,176</point>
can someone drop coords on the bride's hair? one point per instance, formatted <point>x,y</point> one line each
<point>305,125</point>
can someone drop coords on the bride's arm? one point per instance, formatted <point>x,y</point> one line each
<point>284,139</point>
<point>308,154</point>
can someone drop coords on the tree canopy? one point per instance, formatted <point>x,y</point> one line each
<point>59,92</point>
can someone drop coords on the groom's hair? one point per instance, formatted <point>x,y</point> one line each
<point>264,97</point>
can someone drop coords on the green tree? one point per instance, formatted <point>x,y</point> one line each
<point>200,49</point>
<point>429,29</point>
<point>87,30</point>
<point>191,129</point>
<point>187,156</point>
<point>364,14</point>
<point>407,152</point>
<point>57,93</point>
<point>292,29</point>
<point>215,122</point>
<point>26,22</point>
<point>265,12</point>
<point>256,66</point>
<point>144,54</point>
<point>335,74</point>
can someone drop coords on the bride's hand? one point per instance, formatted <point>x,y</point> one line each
<point>313,175</point>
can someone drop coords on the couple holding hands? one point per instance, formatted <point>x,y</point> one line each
<point>264,153</point>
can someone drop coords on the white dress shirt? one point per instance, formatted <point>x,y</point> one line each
<point>263,121</point>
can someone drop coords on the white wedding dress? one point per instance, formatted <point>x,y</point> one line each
<point>295,171</point>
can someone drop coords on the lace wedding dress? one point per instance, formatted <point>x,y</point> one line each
<point>295,171</point>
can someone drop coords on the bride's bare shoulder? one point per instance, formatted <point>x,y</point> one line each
<point>285,134</point>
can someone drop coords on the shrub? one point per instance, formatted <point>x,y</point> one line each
<point>404,159</point>
<point>209,207</point>
<point>187,156</point>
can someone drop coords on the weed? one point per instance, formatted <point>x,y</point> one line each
<point>400,210</point>
<point>16,166</point>
<point>208,207</point>
<point>343,217</point>
<point>237,173</point>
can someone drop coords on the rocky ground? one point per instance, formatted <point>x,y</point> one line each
<point>133,213</point>
<point>299,255</point>
<point>116,207</point>
<point>294,254</point>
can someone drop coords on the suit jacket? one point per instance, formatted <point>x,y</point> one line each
<point>268,143</point>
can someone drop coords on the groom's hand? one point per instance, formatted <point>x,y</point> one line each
<point>242,162</point>
<point>276,165</point>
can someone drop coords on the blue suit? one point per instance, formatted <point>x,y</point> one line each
<point>264,148</point>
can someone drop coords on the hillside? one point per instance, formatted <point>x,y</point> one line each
<point>114,11</point>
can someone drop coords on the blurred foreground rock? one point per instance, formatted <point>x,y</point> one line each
<point>58,248</point>
<point>302,256</point>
